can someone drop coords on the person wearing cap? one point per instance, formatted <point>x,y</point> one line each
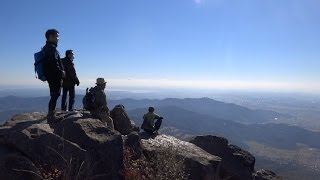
<point>101,109</point>
<point>69,81</point>
<point>151,122</point>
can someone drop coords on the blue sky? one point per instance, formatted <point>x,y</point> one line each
<point>196,44</point>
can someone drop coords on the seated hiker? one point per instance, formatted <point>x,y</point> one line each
<point>121,120</point>
<point>100,108</point>
<point>151,122</point>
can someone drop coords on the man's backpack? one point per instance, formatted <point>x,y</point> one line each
<point>89,99</point>
<point>144,124</point>
<point>38,65</point>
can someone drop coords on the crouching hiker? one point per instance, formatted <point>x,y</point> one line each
<point>151,122</point>
<point>99,108</point>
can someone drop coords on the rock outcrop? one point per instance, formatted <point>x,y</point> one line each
<point>196,163</point>
<point>263,174</point>
<point>237,164</point>
<point>76,146</point>
<point>81,147</point>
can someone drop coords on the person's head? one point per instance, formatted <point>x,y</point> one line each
<point>101,83</point>
<point>70,54</point>
<point>151,109</point>
<point>52,35</point>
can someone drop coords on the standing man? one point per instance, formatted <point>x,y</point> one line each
<point>53,70</point>
<point>151,122</point>
<point>69,81</point>
<point>101,109</point>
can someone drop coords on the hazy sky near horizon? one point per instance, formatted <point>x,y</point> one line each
<point>205,44</point>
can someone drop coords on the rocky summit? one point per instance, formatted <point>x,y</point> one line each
<point>77,146</point>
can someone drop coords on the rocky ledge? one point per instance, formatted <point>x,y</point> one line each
<point>81,147</point>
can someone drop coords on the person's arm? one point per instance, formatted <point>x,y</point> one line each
<point>77,81</point>
<point>158,117</point>
<point>74,76</point>
<point>72,72</point>
<point>65,68</point>
<point>52,63</point>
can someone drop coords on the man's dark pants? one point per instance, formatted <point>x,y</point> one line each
<point>55,90</point>
<point>157,125</point>
<point>71,91</point>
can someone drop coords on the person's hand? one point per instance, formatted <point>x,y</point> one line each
<point>77,82</point>
<point>63,74</point>
<point>160,117</point>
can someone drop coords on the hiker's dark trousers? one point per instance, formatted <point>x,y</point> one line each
<point>66,90</point>
<point>55,90</point>
<point>157,125</point>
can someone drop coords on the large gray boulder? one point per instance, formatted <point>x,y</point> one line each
<point>236,163</point>
<point>83,146</point>
<point>197,164</point>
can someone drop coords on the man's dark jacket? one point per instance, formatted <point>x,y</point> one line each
<point>71,78</point>
<point>52,65</point>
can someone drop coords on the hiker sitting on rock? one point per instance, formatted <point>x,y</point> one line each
<point>121,120</point>
<point>101,109</point>
<point>149,125</point>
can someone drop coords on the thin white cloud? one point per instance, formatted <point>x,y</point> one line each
<point>211,85</point>
<point>209,2</point>
<point>127,83</point>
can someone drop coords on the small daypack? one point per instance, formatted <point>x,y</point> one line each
<point>144,124</point>
<point>121,120</point>
<point>89,99</point>
<point>38,65</point>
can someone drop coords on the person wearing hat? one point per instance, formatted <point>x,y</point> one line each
<point>151,122</point>
<point>101,109</point>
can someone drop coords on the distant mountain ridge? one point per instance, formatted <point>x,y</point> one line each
<point>209,107</point>
<point>204,106</point>
<point>276,135</point>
